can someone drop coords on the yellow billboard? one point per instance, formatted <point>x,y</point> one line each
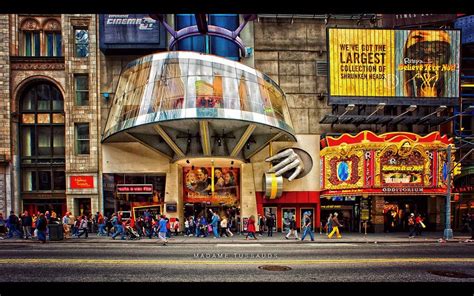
<point>393,63</point>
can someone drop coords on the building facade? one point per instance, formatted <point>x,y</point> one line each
<point>64,76</point>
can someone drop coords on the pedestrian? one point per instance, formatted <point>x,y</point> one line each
<point>215,224</point>
<point>307,228</point>
<point>419,225</point>
<point>261,224</point>
<point>41,225</point>
<point>12,223</point>
<point>26,222</point>
<point>66,227</point>
<point>251,227</point>
<point>329,224</point>
<point>293,229</point>
<point>101,224</point>
<point>411,225</point>
<point>162,230</point>
<point>270,224</point>
<point>335,226</point>
<point>83,227</point>
<point>191,226</point>
<point>176,227</point>
<point>118,227</point>
<point>186,227</point>
<point>224,226</point>
<point>168,227</point>
<point>229,226</point>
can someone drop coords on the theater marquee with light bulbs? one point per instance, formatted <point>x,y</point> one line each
<point>396,163</point>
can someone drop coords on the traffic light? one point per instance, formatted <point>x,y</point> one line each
<point>457,169</point>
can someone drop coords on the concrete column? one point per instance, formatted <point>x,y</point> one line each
<point>248,200</point>
<point>174,192</point>
<point>377,213</point>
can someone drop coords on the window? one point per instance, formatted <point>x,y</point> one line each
<point>53,44</point>
<point>81,83</point>
<point>40,38</point>
<point>42,138</point>
<point>81,37</point>
<point>210,44</point>
<point>31,44</point>
<point>82,138</point>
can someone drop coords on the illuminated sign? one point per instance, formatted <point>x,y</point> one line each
<point>130,31</point>
<point>379,63</point>
<point>81,182</point>
<point>134,188</point>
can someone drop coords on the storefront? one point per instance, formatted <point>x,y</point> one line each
<point>133,192</point>
<point>390,175</point>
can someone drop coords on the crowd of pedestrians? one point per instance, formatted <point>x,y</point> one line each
<point>160,226</point>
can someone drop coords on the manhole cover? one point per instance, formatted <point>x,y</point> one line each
<point>274,267</point>
<point>451,274</point>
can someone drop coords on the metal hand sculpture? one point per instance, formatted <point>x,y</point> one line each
<point>291,160</point>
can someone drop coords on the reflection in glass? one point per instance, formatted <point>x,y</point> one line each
<point>44,180</point>
<point>28,180</point>
<point>59,180</point>
<point>82,42</point>
<point>44,141</point>
<point>157,84</point>
<point>28,118</point>
<point>28,141</point>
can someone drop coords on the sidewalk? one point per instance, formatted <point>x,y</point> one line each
<point>278,238</point>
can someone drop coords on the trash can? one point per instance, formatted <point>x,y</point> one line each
<point>55,231</point>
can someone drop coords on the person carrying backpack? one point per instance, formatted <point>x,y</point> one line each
<point>41,225</point>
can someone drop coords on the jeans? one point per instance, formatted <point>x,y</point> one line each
<point>162,236</point>
<point>42,235</point>
<point>84,230</point>
<point>102,229</point>
<point>270,231</point>
<point>412,230</point>
<point>308,230</point>
<point>27,231</point>
<point>118,230</point>
<point>214,230</point>
<point>12,231</point>
<point>198,232</point>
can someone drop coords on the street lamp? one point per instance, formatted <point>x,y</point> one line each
<point>439,109</point>
<point>349,107</point>
<point>410,108</point>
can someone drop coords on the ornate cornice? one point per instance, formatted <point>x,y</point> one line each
<point>37,63</point>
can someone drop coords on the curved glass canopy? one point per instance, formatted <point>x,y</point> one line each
<point>196,103</point>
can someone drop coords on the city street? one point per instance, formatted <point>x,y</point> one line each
<point>249,261</point>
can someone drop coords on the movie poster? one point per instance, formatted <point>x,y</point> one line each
<point>198,185</point>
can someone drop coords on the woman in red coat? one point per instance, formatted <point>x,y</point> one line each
<point>251,227</point>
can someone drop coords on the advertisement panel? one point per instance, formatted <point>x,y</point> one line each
<point>381,63</point>
<point>130,31</point>
<point>82,182</point>
<point>198,185</point>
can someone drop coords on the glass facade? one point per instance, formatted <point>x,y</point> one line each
<point>180,85</point>
<point>81,36</point>
<point>82,138</point>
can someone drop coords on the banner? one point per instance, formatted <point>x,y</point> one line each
<point>394,63</point>
<point>197,185</point>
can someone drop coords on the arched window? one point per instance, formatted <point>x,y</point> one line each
<point>42,138</point>
<point>52,38</point>
<point>40,40</point>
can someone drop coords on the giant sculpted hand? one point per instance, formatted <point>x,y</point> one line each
<point>290,161</point>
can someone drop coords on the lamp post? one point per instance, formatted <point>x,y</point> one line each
<point>448,232</point>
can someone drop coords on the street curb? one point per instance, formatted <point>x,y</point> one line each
<point>220,242</point>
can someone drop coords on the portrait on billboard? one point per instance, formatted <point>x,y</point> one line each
<point>198,185</point>
<point>386,63</point>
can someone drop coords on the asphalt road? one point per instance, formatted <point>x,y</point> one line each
<point>343,262</point>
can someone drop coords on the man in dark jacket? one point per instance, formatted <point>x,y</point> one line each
<point>270,224</point>
<point>26,222</point>
<point>13,222</point>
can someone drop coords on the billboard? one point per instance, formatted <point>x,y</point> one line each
<point>381,63</point>
<point>198,185</point>
<point>130,31</point>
